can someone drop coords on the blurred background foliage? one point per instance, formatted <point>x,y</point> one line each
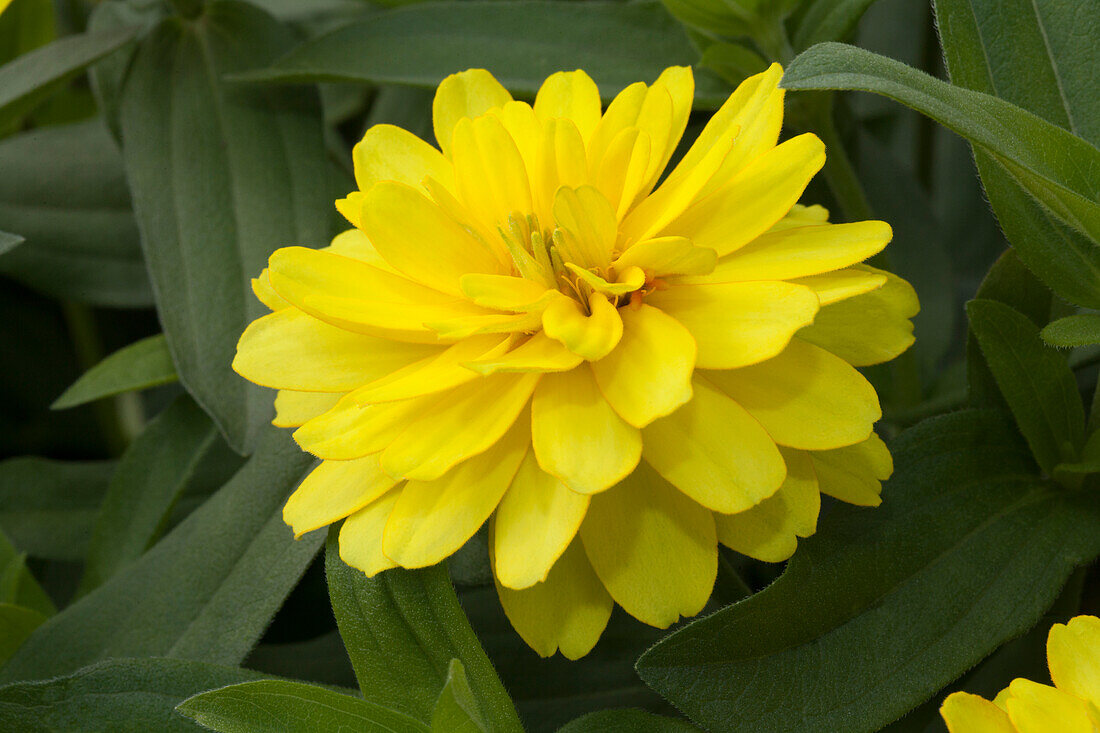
<point>153,154</point>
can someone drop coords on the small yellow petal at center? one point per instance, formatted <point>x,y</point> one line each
<point>589,336</point>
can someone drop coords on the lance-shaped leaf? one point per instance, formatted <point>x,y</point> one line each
<point>1042,60</point>
<point>206,591</point>
<point>1082,329</point>
<point>884,606</point>
<point>141,365</point>
<point>221,175</point>
<point>402,628</point>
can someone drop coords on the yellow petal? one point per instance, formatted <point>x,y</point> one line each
<point>966,713</point>
<point>432,519</point>
<point>568,611</point>
<point>524,128</point>
<point>655,121</point>
<point>261,288</point>
<point>1036,708</point>
<point>620,175</point>
<point>361,536</point>
<point>870,328</point>
<point>297,408</point>
<point>854,473</point>
<point>753,200</point>
<point>571,95</point>
<point>679,83</point>
<point>464,422</point>
<point>1073,654</point>
<point>350,431</point>
<point>334,490</point>
<point>352,294</point>
<point>802,216</point>
<point>629,279</point>
<point>620,114</point>
<point>414,236</point>
<point>801,251</point>
<point>577,436</point>
<point>589,226</point>
<point>540,353</point>
<point>351,207</point>
<point>653,548</point>
<point>648,375</point>
<point>463,327</point>
<point>668,256</point>
<point>536,520</point>
<point>770,530</point>
<point>715,452</point>
<point>737,324</point>
<point>388,153</point>
<point>466,94</point>
<point>288,349</point>
<point>805,397</point>
<point>502,291</point>
<point>561,161</point>
<point>436,373</point>
<point>354,243</point>
<point>590,336</point>
<point>833,287</point>
<point>490,174</point>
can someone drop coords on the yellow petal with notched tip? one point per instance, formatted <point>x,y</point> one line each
<point>466,94</point>
<point>737,324</point>
<point>1036,708</point>
<point>854,473</point>
<point>648,375</point>
<point>414,236</point>
<point>833,287</point>
<point>668,256</point>
<point>620,114</point>
<point>351,294</point>
<point>432,519</point>
<point>589,226</point>
<point>567,612</point>
<point>288,349</point>
<point>361,535</point>
<point>576,434</point>
<point>801,251</point>
<point>653,548</point>
<point>589,336</point>
<point>436,373</point>
<point>388,153</point>
<point>490,174</point>
<point>770,530</point>
<point>621,173</point>
<point>297,408</point>
<point>261,288</point>
<point>349,431</point>
<point>870,328</point>
<point>966,713</point>
<point>464,422</point>
<point>805,397</point>
<point>1073,655</point>
<point>332,491</point>
<point>540,353</point>
<point>561,161</point>
<point>754,199</point>
<point>502,291</point>
<point>571,95</point>
<point>715,452</point>
<point>536,520</point>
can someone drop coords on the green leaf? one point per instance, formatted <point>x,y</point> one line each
<point>65,192</point>
<point>150,478</point>
<point>402,628</point>
<point>16,624</point>
<point>291,707</point>
<point>733,62</point>
<point>1082,329</point>
<point>206,591</point>
<point>249,175</point>
<point>141,365</point>
<point>18,585</point>
<point>1039,55</point>
<point>721,17</point>
<point>24,26</point>
<point>1089,461</point>
<point>626,721</point>
<point>116,695</point>
<point>616,43</point>
<point>884,606</point>
<point>9,241</point>
<point>456,709</point>
<point>47,507</point>
<point>1035,380</point>
<point>30,78</point>
<point>1059,169</point>
<point>828,20</point>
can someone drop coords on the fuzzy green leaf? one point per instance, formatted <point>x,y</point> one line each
<point>1082,329</point>
<point>141,365</point>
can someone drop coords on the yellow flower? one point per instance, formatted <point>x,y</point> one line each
<point>1072,705</point>
<point>524,329</point>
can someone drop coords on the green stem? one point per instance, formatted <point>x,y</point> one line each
<point>839,172</point>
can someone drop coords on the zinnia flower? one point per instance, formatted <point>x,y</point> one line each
<point>524,328</point>
<point>1072,705</point>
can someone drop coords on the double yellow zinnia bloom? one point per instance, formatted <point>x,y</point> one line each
<point>1071,706</point>
<point>522,328</point>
